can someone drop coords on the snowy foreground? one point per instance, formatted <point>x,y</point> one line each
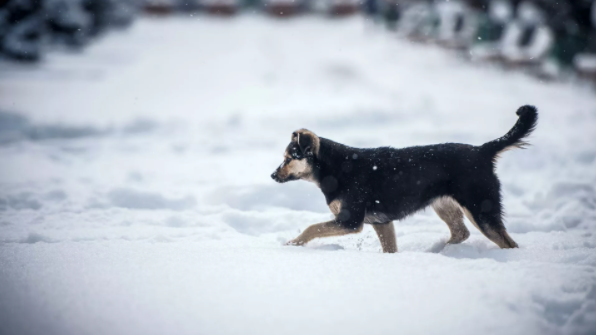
<point>135,195</point>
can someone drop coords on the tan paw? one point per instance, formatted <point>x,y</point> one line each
<point>296,242</point>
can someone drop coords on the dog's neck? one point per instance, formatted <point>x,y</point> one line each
<point>325,161</point>
<point>331,152</point>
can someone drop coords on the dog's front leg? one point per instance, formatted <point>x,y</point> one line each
<point>386,233</point>
<point>348,220</point>
<point>325,229</point>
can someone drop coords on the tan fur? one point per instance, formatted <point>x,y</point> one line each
<point>298,168</point>
<point>450,212</point>
<point>325,229</point>
<point>335,206</point>
<point>508,242</point>
<point>520,145</point>
<point>470,217</point>
<point>500,238</point>
<point>386,233</point>
<point>301,133</point>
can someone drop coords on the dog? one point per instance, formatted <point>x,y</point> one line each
<point>377,186</point>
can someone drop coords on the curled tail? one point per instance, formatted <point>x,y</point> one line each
<point>528,118</point>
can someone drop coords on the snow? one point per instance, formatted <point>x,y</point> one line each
<point>585,62</point>
<point>136,198</point>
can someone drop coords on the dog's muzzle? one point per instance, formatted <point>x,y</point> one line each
<point>275,177</point>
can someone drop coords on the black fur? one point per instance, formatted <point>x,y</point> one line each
<point>384,184</point>
<point>528,119</point>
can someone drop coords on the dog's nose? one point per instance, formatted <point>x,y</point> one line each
<point>274,175</point>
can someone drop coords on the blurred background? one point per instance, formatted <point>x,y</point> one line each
<point>137,140</point>
<point>547,38</point>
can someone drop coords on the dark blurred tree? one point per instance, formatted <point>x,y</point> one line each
<point>67,22</point>
<point>391,13</point>
<point>371,8</point>
<point>571,24</point>
<point>23,29</point>
<point>27,26</point>
<point>98,12</point>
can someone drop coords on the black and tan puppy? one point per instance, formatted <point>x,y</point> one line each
<point>377,186</point>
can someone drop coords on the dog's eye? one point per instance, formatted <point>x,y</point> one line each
<point>295,155</point>
<point>288,160</point>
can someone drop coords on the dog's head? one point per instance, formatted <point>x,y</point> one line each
<point>299,157</point>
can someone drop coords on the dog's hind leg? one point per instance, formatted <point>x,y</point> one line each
<point>492,227</point>
<point>483,208</point>
<point>450,212</point>
<point>325,229</point>
<point>386,233</point>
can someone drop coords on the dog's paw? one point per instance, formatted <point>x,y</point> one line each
<point>295,242</point>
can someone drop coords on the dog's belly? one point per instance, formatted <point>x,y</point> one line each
<point>393,209</point>
<point>373,217</point>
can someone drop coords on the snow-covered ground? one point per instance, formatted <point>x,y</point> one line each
<point>135,195</point>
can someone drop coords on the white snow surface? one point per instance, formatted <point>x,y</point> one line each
<point>136,198</point>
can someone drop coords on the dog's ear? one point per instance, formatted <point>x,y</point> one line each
<point>307,140</point>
